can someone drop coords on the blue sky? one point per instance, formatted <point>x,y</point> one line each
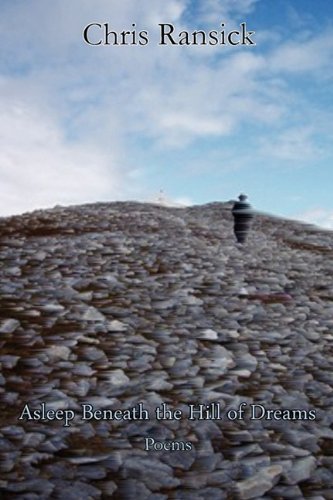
<point>83,124</point>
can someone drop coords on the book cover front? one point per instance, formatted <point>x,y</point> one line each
<point>165,316</point>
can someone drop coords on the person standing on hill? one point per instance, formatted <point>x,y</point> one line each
<point>243,214</point>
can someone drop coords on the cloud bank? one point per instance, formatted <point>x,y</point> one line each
<point>83,123</point>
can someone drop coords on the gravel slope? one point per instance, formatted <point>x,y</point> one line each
<point>116,304</point>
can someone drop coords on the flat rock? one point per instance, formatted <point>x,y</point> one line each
<point>155,475</point>
<point>301,469</point>
<point>9,325</point>
<point>92,314</point>
<point>259,484</point>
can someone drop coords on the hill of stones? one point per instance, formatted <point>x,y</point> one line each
<point>110,306</point>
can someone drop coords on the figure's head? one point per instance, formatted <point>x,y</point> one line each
<point>242,197</point>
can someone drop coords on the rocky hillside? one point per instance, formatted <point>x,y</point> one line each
<point>117,316</point>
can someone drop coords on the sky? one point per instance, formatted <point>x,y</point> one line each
<point>84,123</point>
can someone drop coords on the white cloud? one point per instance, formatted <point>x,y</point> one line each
<point>39,168</point>
<point>305,55</point>
<point>226,10</point>
<point>317,216</point>
<point>180,128</point>
<point>295,144</point>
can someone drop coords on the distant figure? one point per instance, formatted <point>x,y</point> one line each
<point>243,214</point>
<point>161,197</point>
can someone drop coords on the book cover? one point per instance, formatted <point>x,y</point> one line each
<point>165,249</point>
